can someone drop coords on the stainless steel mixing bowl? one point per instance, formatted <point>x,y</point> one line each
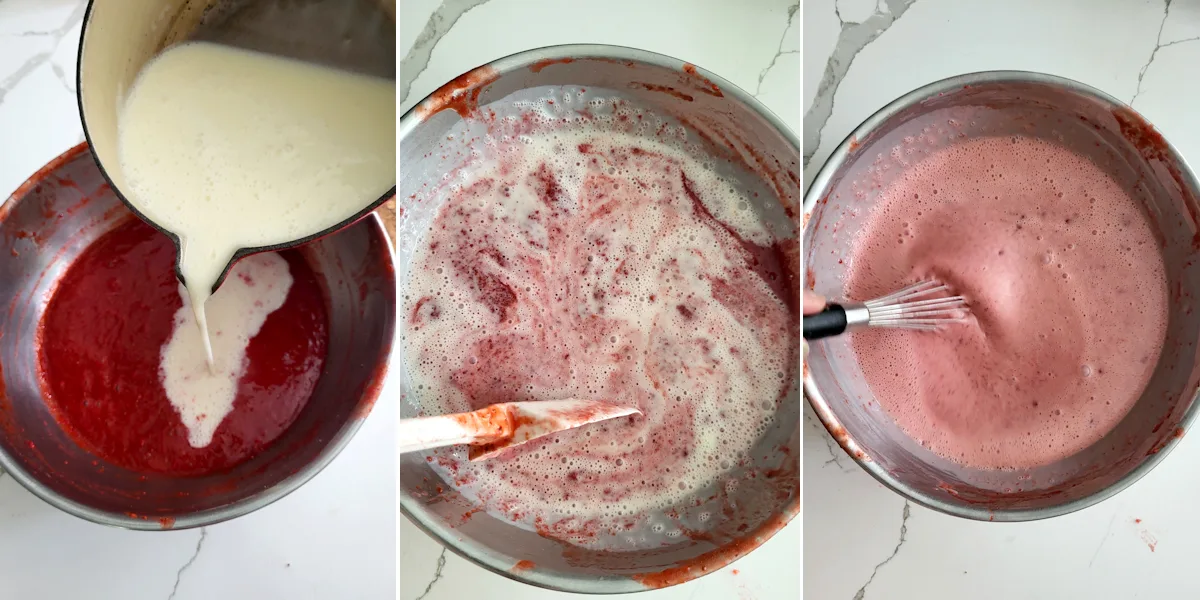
<point>758,151</point>
<point>44,226</point>
<point>1089,122</point>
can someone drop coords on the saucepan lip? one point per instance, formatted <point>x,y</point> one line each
<point>221,514</point>
<point>410,507</point>
<point>820,187</point>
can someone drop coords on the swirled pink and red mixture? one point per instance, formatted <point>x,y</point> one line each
<point>583,263</point>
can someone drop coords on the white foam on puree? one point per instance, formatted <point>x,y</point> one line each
<point>256,287</point>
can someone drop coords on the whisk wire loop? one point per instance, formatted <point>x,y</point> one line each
<point>914,308</point>
<point>924,306</point>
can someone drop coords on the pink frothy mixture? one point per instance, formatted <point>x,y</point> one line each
<point>600,265</point>
<point>1067,293</point>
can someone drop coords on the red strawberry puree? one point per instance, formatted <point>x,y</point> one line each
<point>101,346</point>
<point>601,266</point>
<point>1067,292</point>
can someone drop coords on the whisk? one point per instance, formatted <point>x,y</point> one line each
<point>914,307</point>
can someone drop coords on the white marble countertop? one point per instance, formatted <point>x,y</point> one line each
<point>864,542</point>
<point>333,538</point>
<point>754,44</point>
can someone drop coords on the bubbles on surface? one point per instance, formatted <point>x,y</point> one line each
<point>1049,249</point>
<point>597,258</point>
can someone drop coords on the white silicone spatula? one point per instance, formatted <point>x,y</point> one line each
<point>491,430</point>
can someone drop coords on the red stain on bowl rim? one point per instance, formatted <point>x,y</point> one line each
<point>1010,499</point>
<point>522,565</point>
<point>373,390</point>
<point>617,61</point>
<point>166,523</point>
<point>40,176</point>
<point>542,64</point>
<point>706,85</point>
<point>571,528</point>
<point>466,516</point>
<point>461,94</point>
<point>714,560</point>
<point>670,91</point>
<point>732,147</point>
<point>1153,147</point>
<point>35,236</point>
<point>842,437</point>
<point>1156,448</point>
<point>9,427</point>
<point>43,175</point>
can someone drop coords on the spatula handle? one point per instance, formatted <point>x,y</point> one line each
<point>423,433</point>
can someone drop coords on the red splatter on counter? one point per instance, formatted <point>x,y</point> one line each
<point>1149,539</point>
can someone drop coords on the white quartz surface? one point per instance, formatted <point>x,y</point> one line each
<point>861,540</point>
<point>334,538</point>
<point>753,43</point>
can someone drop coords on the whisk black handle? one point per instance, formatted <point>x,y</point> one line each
<point>827,323</point>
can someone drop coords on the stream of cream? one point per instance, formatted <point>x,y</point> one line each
<point>232,149</point>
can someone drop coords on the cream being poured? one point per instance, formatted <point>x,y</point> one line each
<point>203,394</point>
<point>232,149</point>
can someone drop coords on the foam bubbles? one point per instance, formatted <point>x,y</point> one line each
<point>598,261</point>
<point>1067,292</point>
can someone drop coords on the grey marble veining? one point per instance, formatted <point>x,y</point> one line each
<point>439,24</point>
<point>191,561</point>
<point>31,64</point>
<point>852,39</point>
<point>792,11</point>
<point>1158,45</point>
